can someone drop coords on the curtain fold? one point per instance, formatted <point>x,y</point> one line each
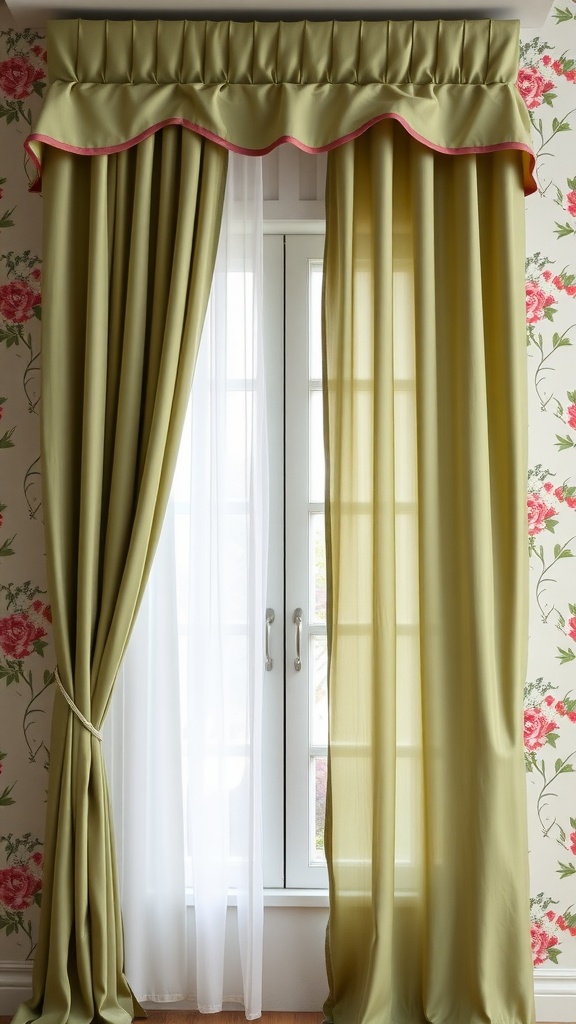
<point>190,687</point>
<point>129,247</point>
<point>250,86</point>
<point>426,535</point>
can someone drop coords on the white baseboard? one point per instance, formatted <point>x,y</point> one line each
<point>555,994</point>
<point>15,985</point>
<point>554,990</point>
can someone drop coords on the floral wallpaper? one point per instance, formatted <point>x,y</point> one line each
<point>26,658</point>
<point>547,81</point>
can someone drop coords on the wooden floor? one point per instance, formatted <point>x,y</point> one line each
<point>226,1017</point>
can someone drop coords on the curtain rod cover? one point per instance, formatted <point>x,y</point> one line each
<point>252,86</point>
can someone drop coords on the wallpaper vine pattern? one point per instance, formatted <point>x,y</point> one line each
<point>547,81</point>
<point>26,661</point>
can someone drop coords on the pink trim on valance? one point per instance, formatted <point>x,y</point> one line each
<point>530,185</point>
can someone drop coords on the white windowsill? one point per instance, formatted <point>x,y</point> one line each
<point>280,898</point>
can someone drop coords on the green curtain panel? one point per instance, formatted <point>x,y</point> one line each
<point>129,248</point>
<point>425,425</point>
<point>425,436</point>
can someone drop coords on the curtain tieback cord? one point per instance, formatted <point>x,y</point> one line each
<point>87,725</point>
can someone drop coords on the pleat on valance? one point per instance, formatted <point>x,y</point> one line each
<point>251,86</point>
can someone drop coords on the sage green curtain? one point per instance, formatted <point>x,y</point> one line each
<point>129,247</point>
<point>425,424</point>
<point>425,435</point>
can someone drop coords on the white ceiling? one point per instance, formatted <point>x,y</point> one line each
<point>532,13</point>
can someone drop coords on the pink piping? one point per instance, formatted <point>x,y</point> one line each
<point>529,188</point>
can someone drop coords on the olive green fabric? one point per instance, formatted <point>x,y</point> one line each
<point>129,248</point>
<point>252,84</point>
<point>425,424</point>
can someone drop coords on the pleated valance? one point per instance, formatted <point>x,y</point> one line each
<point>251,86</point>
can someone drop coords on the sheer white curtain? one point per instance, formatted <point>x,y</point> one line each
<point>183,736</point>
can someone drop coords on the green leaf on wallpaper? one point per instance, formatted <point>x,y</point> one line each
<point>551,738</point>
<point>566,554</point>
<point>571,396</point>
<point>5,798</point>
<point>557,766</point>
<point>562,834</point>
<point>573,822</point>
<point>563,230</point>
<point>10,112</point>
<point>6,548</point>
<point>562,14</point>
<point>39,646</point>
<point>39,88</point>
<point>6,219</point>
<point>549,311</point>
<point>5,440</point>
<point>559,341</point>
<point>565,656</point>
<point>8,675</point>
<point>551,524</point>
<point>564,443</point>
<point>553,953</point>
<point>12,336</point>
<point>548,97</point>
<point>572,608</point>
<point>37,310</point>
<point>566,769</point>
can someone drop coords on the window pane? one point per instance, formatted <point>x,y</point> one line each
<point>317,568</point>
<point>315,318</point>
<point>318,690</point>
<point>316,460</point>
<point>319,773</point>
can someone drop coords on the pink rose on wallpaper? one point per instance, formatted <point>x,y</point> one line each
<point>541,942</point>
<point>536,302</point>
<point>17,300</point>
<point>572,627</point>
<point>536,728</point>
<point>17,77</point>
<point>571,203</point>
<point>532,85</point>
<point>573,843</point>
<point>42,609</point>
<point>18,887</point>
<point>571,416</point>
<point>18,634</point>
<point>538,513</point>
<point>36,862</point>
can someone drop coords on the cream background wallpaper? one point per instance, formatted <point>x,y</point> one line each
<point>548,82</point>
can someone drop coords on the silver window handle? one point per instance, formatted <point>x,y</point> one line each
<point>270,616</point>
<point>297,619</point>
